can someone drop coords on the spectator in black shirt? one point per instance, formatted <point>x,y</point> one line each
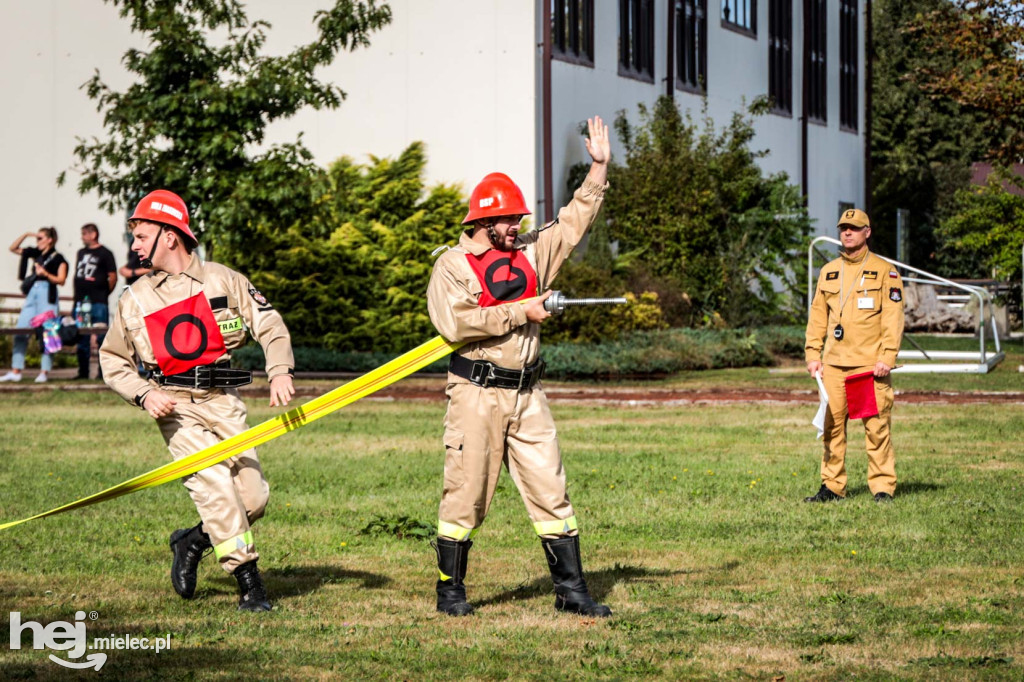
<point>95,277</point>
<point>133,269</point>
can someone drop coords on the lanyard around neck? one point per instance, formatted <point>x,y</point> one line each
<point>842,283</point>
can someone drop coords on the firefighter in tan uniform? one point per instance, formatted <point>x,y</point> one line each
<point>181,321</point>
<point>856,318</point>
<point>484,292</point>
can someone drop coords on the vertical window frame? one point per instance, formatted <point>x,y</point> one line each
<point>816,26</point>
<point>636,40</point>
<point>691,48</point>
<point>849,72</point>
<point>572,31</point>
<point>780,56</point>
<point>739,16</point>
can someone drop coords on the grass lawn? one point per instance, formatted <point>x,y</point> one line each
<point>691,524</point>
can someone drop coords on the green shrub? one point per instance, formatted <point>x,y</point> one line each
<point>325,360</point>
<point>354,275</point>
<point>658,353</point>
<point>784,341</point>
<point>690,205</point>
<point>652,353</point>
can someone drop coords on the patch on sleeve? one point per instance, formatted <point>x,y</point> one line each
<point>893,274</point>
<point>257,296</point>
<point>832,275</point>
<point>895,295</point>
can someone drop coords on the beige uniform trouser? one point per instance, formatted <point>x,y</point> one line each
<point>230,495</point>
<point>486,427</point>
<point>881,458</point>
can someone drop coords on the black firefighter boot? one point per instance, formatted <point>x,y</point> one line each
<point>188,545</point>
<point>571,593</point>
<point>250,586</point>
<point>452,559</point>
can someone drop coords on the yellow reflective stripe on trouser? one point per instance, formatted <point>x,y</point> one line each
<point>450,530</point>
<point>556,527</point>
<point>236,543</point>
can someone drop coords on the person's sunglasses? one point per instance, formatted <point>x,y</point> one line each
<point>852,228</point>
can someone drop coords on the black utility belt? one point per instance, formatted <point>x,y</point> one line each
<point>488,375</point>
<point>206,377</point>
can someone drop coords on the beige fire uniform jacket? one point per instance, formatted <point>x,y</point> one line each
<point>485,427</point>
<point>230,495</point>
<point>865,296</point>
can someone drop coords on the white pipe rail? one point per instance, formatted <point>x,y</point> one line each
<point>983,361</point>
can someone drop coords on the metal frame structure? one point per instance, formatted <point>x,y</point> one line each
<point>970,362</point>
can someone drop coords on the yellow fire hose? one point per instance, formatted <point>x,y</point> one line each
<point>371,382</point>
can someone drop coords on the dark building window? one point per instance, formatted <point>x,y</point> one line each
<point>572,31</point>
<point>692,44</point>
<point>780,55</point>
<point>636,39</point>
<point>815,27</point>
<point>740,15</point>
<point>848,64</point>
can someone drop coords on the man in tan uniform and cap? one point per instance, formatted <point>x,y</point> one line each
<point>181,321</point>
<point>857,318</point>
<point>484,292</point>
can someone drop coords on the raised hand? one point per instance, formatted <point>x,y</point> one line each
<point>599,145</point>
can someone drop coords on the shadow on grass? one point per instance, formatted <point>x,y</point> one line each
<point>180,663</point>
<point>600,582</point>
<point>176,662</point>
<point>902,489</point>
<point>294,581</point>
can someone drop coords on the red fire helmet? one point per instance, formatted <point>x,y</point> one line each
<point>167,208</point>
<point>496,195</point>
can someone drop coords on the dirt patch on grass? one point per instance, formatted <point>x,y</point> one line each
<point>432,389</point>
<point>633,396</point>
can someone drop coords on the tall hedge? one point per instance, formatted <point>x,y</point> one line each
<point>354,276</point>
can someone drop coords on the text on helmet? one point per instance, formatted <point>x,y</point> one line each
<point>170,210</point>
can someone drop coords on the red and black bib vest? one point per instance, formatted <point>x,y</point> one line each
<point>185,335</point>
<point>505,276</point>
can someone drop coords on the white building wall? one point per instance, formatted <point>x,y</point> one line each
<point>461,75</point>
<point>580,92</point>
<point>737,73</point>
<point>835,157</point>
<point>48,49</point>
<point>457,74</point>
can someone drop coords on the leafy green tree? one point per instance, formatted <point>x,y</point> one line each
<point>923,142</point>
<point>984,71</point>
<point>195,118</point>
<point>985,231</point>
<point>692,207</point>
<point>354,276</point>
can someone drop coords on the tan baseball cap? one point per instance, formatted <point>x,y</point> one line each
<point>855,217</point>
